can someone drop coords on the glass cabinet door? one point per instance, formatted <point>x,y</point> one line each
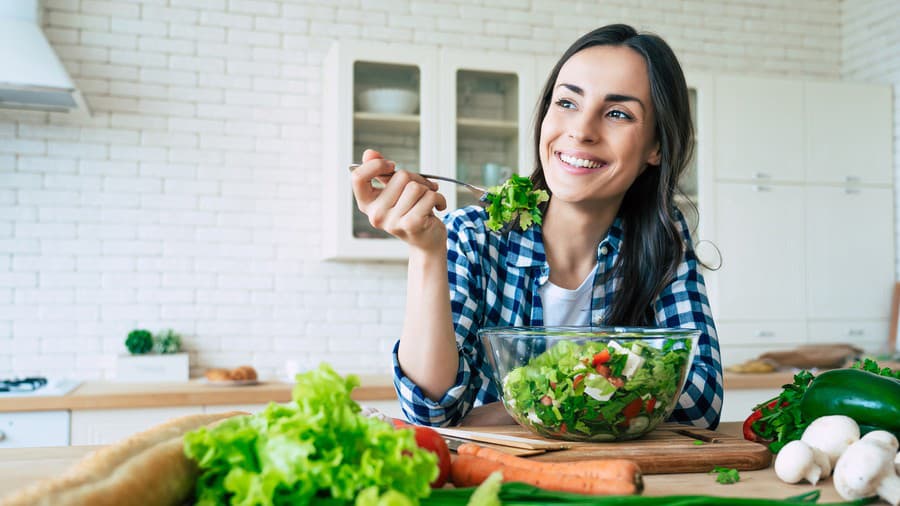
<point>379,96</point>
<point>385,118</point>
<point>487,127</point>
<point>487,101</point>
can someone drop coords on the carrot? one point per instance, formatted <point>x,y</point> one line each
<point>594,477</point>
<point>599,469</point>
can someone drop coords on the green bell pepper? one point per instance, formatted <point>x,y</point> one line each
<point>868,398</point>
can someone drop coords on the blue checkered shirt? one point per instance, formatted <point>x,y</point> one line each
<point>494,281</point>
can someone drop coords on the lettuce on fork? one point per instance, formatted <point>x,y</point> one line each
<point>317,450</point>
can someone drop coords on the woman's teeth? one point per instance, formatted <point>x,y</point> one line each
<point>578,162</point>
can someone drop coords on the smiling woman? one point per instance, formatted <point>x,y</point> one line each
<point>614,135</point>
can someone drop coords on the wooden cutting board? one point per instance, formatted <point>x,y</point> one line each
<point>671,448</point>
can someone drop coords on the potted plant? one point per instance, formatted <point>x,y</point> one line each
<point>153,358</point>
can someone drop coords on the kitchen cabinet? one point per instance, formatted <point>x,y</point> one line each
<point>848,127</point>
<point>471,121</point>
<point>759,129</point>
<point>808,245</point>
<point>104,426</point>
<point>34,429</point>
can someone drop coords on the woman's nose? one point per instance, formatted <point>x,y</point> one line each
<point>583,130</point>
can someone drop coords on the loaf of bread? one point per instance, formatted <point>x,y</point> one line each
<point>148,468</point>
<point>242,373</point>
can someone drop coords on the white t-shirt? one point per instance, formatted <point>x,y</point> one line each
<point>567,307</point>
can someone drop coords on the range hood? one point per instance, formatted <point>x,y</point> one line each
<point>31,75</point>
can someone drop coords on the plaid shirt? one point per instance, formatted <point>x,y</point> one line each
<point>494,281</point>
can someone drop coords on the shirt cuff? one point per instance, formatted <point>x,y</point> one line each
<point>421,410</point>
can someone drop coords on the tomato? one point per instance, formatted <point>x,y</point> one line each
<point>546,400</point>
<point>428,439</point>
<point>603,370</point>
<point>633,408</point>
<point>651,403</point>
<point>577,380</point>
<point>617,382</point>
<point>600,358</point>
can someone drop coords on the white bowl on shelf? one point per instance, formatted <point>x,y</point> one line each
<point>389,101</point>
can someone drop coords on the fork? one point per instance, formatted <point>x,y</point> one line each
<point>478,191</point>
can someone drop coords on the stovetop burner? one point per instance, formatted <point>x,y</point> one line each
<point>22,384</point>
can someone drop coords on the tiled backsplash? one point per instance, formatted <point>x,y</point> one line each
<point>190,199</point>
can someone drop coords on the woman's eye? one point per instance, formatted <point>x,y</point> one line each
<point>615,113</point>
<point>565,103</point>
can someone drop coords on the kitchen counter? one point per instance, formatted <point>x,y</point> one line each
<point>21,466</point>
<point>114,395</point>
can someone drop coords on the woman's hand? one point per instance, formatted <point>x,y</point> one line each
<point>405,207</point>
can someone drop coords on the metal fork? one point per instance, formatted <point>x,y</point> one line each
<point>477,191</point>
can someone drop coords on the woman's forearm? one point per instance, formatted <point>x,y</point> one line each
<point>427,352</point>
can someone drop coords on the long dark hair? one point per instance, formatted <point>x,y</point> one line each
<point>652,246</point>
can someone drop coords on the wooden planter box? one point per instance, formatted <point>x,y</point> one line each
<point>153,367</point>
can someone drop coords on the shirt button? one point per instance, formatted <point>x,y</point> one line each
<point>603,250</point>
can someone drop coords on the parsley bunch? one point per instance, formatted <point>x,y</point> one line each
<point>515,198</point>
<point>782,421</point>
<point>871,366</point>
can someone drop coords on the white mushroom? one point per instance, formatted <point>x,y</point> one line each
<point>799,461</point>
<point>897,463</point>
<point>832,435</point>
<point>883,438</point>
<point>867,469</point>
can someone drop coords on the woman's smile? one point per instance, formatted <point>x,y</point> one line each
<point>579,162</point>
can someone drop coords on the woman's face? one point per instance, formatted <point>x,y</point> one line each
<point>598,134</point>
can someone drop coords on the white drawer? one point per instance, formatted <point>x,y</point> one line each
<point>870,335</point>
<point>761,334</point>
<point>34,429</point>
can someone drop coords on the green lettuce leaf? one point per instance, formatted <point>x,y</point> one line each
<point>317,450</point>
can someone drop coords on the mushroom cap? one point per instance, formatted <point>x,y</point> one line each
<point>832,435</point>
<point>883,438</point>
<point>861,468</point>
<point>798,461</point>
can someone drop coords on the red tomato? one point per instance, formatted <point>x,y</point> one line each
<point>577,380</point>
<point>600,358</point>
<point>651,403</point>
<point>429,439</point>
<point>603,370</point>
<point>633,408</point>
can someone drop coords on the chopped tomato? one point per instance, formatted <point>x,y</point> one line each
<point>633,408</point>
<point>553,385</point>
<point>651,403</point>
<point>577,380</point>
<point>600,358</point>
<point>617,381</point>
<point>603,370</point>
<point>546,400</point>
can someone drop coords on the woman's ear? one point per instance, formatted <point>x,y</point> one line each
<point>654,157</point>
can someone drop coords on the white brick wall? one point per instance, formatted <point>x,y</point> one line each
<point>870,30</point>
<point>189,199</point>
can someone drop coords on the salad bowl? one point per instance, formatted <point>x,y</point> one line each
<point>589,383</point>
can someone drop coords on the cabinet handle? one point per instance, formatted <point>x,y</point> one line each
<point>856,332</point>
<point>765,333</point>
<point>851,191</point>
<point>852,179</point>
<point>761,175</point>
<point>761,188</point>
<point>2,435</point>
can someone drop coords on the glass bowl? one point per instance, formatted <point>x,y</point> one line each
<point>589,383</point>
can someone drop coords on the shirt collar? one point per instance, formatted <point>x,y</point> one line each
<point>526,248</point>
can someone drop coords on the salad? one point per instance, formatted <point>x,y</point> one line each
<point>515,198</point>
<point>597,391</point>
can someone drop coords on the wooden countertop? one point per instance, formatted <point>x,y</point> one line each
<point>197,392</point>
<point>114,395</point>
<point>20,466</point>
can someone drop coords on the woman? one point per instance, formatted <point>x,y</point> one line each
<point>614,134</point>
